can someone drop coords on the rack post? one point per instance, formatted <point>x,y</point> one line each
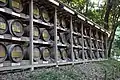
<point>71,39</point>
<point>106,46</point>
<point>103,46</point>
<point>91,54</point>
<point>97,43</point>
<point>82,41</point>
<point>55,37</point>
<point>31,33</point>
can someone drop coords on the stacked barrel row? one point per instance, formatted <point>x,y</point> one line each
<point>63,38</point>
<point>93,45</point>
<point>16,51</point>
<point>86,41</point>
<point>10,50</point>
<point>77,40</point>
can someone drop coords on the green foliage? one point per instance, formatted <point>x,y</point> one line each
<point>106,70</point>
<point>88,8</point>
<point>111,68</point>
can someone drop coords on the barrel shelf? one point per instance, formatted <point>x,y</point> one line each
<point>43,23</point>
<point>86,36</point>
<point>43,65</point>
<point>9,11</point>
<point>15,68</point>
<point>41,62</point>
<point>77,47</point>
<point>100,50</point>
<point>76,33</point>
<point>99,40</point>
<point>64,63</point>
<point>93,38</point>
<point>78,62</point>
<point>42,42</point>
<point>62,45</point>
<point>25,66</point>
<point>9,37</point>
<point>62,29</point>
<point>12,64</point>
<point>86,48</point>
<point>94,49</point>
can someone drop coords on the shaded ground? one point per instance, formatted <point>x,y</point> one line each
<point>107,70</point>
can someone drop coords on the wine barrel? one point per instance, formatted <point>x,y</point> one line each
<point>75,27</point>
<point>63,23</point>
<point>16,5</point>
<point>75,40</point>
<point>101,54</point>
<point>80,41</point>
<point>62,38</point>
<point>16,28</point>
<point>58,38</point>
<point>85,43</point>
<point>45,15</point>
<point>3,53</point>
<point>36,54</point>
<point>15,53</point>
<point>76,53</point>
<point>67,37</point>
<point>3,3</point>
<point>63,53</point>
<point>88,54</point>
<point>36,34</point>
<point>3,25</point>
<point>85,54</point>
<point>44,34</point>
<point>95,54</point>
<point>36,11</point>
<point>53,55</point>
<point>59,55</point>
<point>58,22</point>
<point>80,54</point>
<point>85,31</point>
<point>45,52</point>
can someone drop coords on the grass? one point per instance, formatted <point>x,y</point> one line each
<point>110,70</point>
<point>104,70</point>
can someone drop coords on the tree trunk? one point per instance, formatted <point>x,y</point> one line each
<point>111,39</point>
<point>108,10</point>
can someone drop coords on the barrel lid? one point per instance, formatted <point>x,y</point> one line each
<point>45,35</point>
<point>16,28</point>
<point>36,33</point>
<point>45,53</point>
<point>36,11</point>
<point>36,54</point>
<point>59,54</point>
<point>16,5</point>
<point>63,22</point>
<point>16,53</point>
<point>58,22</point>
<point>76,52</point>
<point>63,53</point>
<point>3,53</point>
<point>3,3</point>
<point>3,25</point>
<point>63,38</point>
<point>45,15</point>
<point>75,39</point>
